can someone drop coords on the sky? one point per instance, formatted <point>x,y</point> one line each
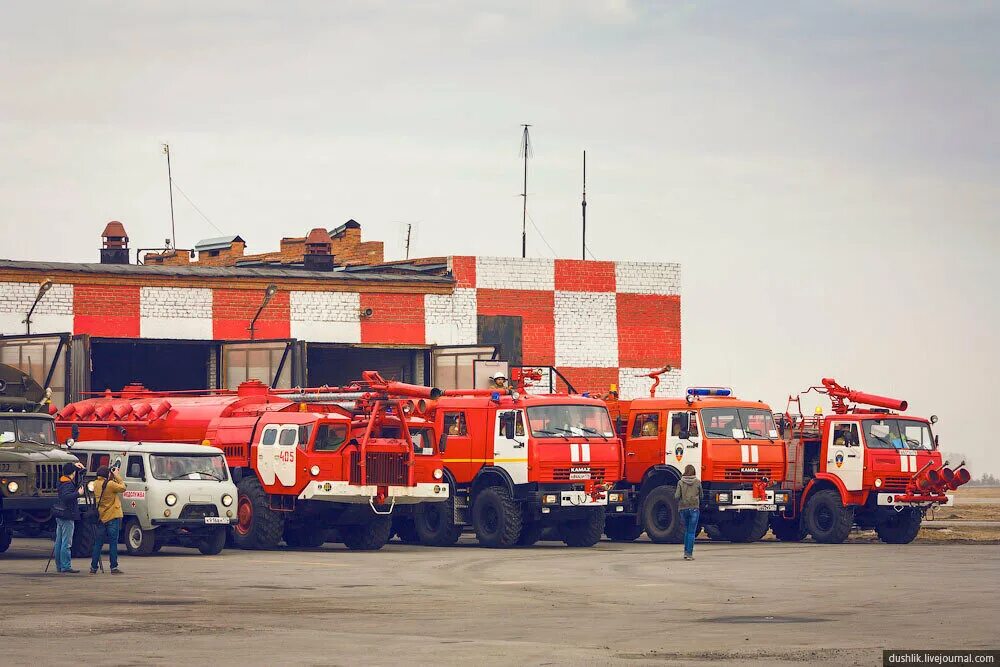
<point>826,172</point>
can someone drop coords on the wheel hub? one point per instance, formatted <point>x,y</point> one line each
<point>244,516</point>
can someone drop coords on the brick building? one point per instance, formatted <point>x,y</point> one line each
<point>326,306</point>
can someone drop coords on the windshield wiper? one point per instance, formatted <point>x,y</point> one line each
<point>722,434</point>
<point>878,437</point>
<point>548,432</point>
<point>587,429</point>
<point>766,437</point>
<point>34,442</point>
<point>196,472</point>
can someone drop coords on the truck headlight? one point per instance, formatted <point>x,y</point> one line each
<point>314,470</point>
<point>723,497</point>
<point>781,497</point>
<point>878,482</point>
<point>170,500</point>
<point>13,487</point>
<point>227,500</point>
<point>616,497</point>
<point>438,473</point>
<point>550,499</point>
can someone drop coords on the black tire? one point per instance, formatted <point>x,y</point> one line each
<point>435,523</point>
<point>585,532</point>
<point>214,542</point>
<point>901,527</point>
<point>304,537</point>
<point>138,542</point>
<point>6,535</point>
<point>747,526</point>
<point>405,528</point>
<point>157,546</point>
<point>370,536</point>
<point>660,517</point>
<point>496,518</point>
<point>257,526</point>
<point>787,530</point>
<point>530,533</point>
<point>83,540</point>
<point>826,518</point>
<point>713,533</point>
<point>622,529</point>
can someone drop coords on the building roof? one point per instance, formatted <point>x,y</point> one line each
<point>217,243</point>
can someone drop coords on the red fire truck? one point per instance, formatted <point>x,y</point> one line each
<point>734,446</point>
<point>519,463</point>
<point>304,460</point>
<point>867,467</point>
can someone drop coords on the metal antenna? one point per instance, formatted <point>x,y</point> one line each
<point>526,152</point>
<point>409,228</point>
<point>583,205</point>
<point>170,180</point>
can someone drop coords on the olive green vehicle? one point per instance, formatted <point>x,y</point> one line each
<point>30,462</point>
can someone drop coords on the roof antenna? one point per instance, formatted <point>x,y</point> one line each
<point>170,180</point>
<point>409,229</point>
<point>526,152</point>
<point>583,205</point>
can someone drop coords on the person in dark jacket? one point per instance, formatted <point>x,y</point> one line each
<point>688,495</point>
<point>67,512</point>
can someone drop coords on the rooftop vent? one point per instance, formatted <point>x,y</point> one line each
<point>115,250</point>
<point>318,256</point>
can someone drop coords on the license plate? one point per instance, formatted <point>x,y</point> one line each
<point>216,519</point>
<point>766,508</point>
<point>579,475</point>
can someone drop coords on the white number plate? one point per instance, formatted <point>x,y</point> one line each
<point>579,475</point>
<point>216,519</point>
<point>766,508</point>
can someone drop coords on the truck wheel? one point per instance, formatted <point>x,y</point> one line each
<point>787,530</point>
<point>83,540</point>
<point>713,533</point>
<point>305,537</point>
<point>257,526</point>
<point>900,527</point>
<point>138,542</point>
<point>660,518</point>
<point>622,529</point>
<point>826,518</point>
<point>435,523</point>
<point>5,537</point>
<point>530,534</point>
<point>370,536</point>
<point>585,532</point>
<point>406,530</point>
<point>214,542</point>
<point>496,518</point>
<point>748,526</point>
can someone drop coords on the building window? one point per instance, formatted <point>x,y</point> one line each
<point>255,361</point>
<point>34,356</point>
<point>453,366</point>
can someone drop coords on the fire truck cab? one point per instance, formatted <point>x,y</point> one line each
<point>733,445</point>
<point>518,464</point>
<point>873,468</point>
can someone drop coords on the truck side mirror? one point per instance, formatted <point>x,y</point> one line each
<point>684,434</point>
<point>442,442</point>
<point>507,425</point>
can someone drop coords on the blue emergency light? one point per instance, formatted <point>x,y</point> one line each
<point>495,397</point>
<point>709,391</point>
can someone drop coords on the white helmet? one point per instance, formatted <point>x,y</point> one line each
<point>499,375</point>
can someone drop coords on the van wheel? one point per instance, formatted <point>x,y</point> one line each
<point>83,539</point>
<point>214,543</point>
<point>747,526</point>
<point>435,523</point>
<point>370,536</point>
<point>6,535</point>
<point>585,532</point>
<point>826,518</point>
<point>622,529</point>
<point>660,517</point>
<point>496,518</point>
<point>900,527</point>
<point>138,542</point>
<point>787,530</point>
<point>257,526</point>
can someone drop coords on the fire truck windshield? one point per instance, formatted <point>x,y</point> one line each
<point>421,437</point>
<point>330,437</point>
<point>555,421</point>
<point>898,434</point>
<point>193,466</point>
<point>739,423</point>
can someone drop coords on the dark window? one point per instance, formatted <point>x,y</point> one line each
<point>98,460</point>
<point>269,437</point>
<point>647,424</point>
<point>135,468</point>
<point>454,424</point>
<point>330,437</point>
<point>287,437</point>
<point>678,422</point>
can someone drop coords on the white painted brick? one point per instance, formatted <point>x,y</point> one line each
<point>173,303</point>
<point>177,327</point>
<point>450,319</point>
<point>325,317</point>
<point>515,273</point>
<point>648,278</point>
<point>53,314</point>
<point>633,383</point>
<point>586,329</point>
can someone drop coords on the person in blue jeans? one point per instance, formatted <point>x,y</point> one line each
<point>66,512</point>
<point>688,495</point>
<point>108,488</point>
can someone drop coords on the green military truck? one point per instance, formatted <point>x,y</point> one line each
<point>30,462</point>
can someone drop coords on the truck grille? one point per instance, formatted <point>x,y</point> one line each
<point>382,468</point>
<point>198,511</point>
<point>746,474</point>
<point>894,482</point>
<point>47,477</point>
<point>597,473</point>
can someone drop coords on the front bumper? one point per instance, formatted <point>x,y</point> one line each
<point>551,500</point>
<point>28,503</point>
<point>891,500</point>
<point>744,500</point>
<point>345,492</point>
<point>193,523</point>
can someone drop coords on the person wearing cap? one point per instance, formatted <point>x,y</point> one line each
<point>108,488</point>
<point>67,512</point>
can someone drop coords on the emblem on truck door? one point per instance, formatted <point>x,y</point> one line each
<point>679,452</point>
<point>839,459</point>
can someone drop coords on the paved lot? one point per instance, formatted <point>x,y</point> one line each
<point>768,602</point>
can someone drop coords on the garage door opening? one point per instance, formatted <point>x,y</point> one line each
<point>339,365</point>
<point>158,365</point>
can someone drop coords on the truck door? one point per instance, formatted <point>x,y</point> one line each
<point>510,450</point>
<point>845,457</point>
<point>683,440</point>
<point>267,454</point>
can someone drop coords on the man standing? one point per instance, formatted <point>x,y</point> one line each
<point>108,488</point>
<point>688,495</point>
<point>67,512</point>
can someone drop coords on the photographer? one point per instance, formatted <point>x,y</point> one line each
<point>67,512</point>
<point>108,488</point>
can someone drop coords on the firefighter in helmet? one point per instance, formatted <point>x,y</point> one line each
<point>499,381</point>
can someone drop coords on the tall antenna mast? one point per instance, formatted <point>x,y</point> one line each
<point>583,205</point>
<point>170,180</point>
<point>409,228</point>
<point>526,152</point>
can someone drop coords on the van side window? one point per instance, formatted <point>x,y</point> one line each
<point>270,435</point>
<point>287,437</point>
<point>82,456</point>
<point>454,423</point>
<point>647,424</point>
<point>135,468</point>
<point>98,460</point>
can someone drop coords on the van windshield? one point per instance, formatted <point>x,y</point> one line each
<point>554,421</point>
<point>193,466</point>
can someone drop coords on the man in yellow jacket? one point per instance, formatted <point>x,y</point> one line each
<point>108,488</point>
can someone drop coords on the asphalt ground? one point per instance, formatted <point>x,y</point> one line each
<point>766,603</point>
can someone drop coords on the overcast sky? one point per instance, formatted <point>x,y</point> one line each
<point>826,172</point>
